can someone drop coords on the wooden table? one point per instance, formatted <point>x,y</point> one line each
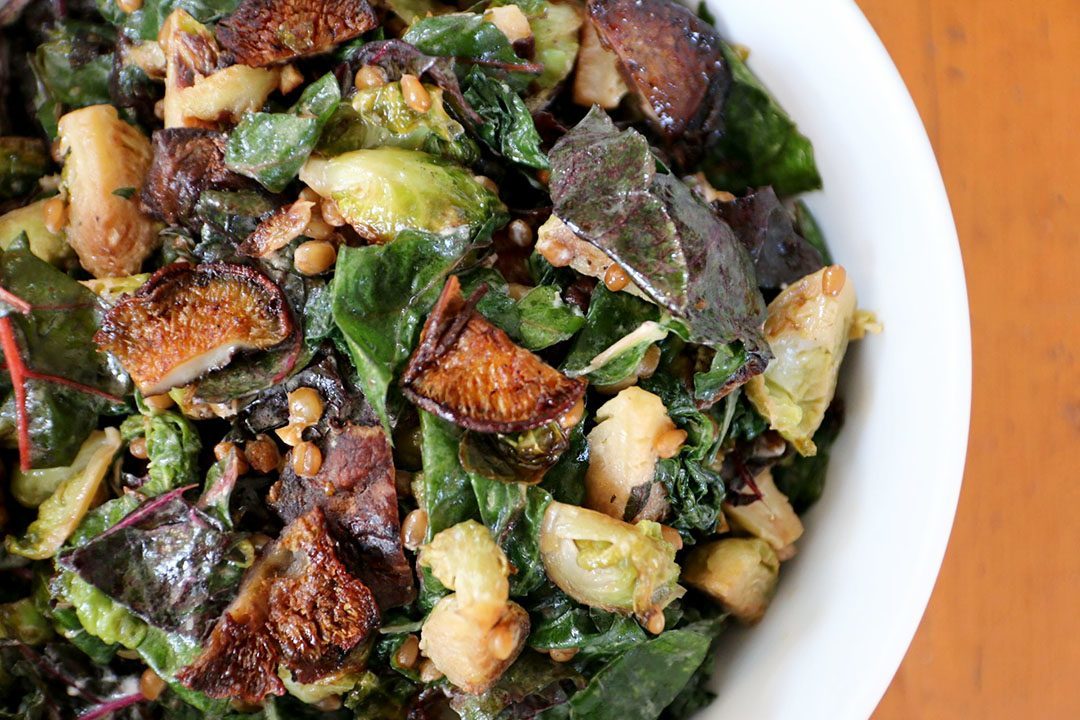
<point>998,85</point>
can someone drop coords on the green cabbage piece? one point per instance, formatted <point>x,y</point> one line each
<point>380,117</point>
<point>60,514</point>
<point>384,191</point>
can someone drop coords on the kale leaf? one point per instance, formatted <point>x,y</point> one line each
<point>507,127</point>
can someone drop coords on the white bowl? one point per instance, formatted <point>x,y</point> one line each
<point>849,603</point>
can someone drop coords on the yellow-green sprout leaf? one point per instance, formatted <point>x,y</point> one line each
<point>607,563</point>
<point>59,515</point>
<point>47,245</point>
<point>22,621</point>
<point>382,191</point>
<point>99,615</point>
<point>808,327</point>
<point>112,289</point>
<point>466,559</point>
<point>380,117</point>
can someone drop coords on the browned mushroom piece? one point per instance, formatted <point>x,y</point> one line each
<point>469,372</point>
<point>355,489</point>
<point>671,58</point>
<point>265,32</point>
<point>299,608</point>
<point>187,320</point>
<point>186,162</point>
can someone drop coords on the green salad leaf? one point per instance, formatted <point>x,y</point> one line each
<point>761,144</point>
<point>507,127</point>
<point>22,163</point>
<point>613,317</point>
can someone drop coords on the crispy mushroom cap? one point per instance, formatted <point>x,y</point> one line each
<point>670,57</point>
<point>265,32</point>
<point>187,320</point>
<point>469,372</point>
<point>298,608</point>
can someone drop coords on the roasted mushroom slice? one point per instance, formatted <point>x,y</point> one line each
<point>186,162</point>
<point>469,372</point>
<point>299,609</point>
<point>190,319</point>
<point>264,32</point>
<point>672,59</point>
<point>355,489</point>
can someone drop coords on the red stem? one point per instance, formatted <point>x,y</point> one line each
<point>17,369</point>
<point>35,375</point>
<point>110,706</point>
<point>15,301</point>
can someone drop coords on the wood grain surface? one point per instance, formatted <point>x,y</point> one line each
<point>998,85</point>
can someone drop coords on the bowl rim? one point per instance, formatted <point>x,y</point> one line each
<point>876,673</point>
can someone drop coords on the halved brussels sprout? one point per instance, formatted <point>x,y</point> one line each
<point>224,96</point>
<point>770,518</point>
<point>623,454</point>
<point>104,155</point>
<point>808,328</point>
<point>190,52</point>
<point>187,320</point>
<point>469,372</point>
<point>265,32</point>
<point>514,457</point>
<point>380,117</point>
<point>382,191</point>
<point>607,563</point>
<point>473,635</point>
<point>739,573</point>
<point>63,510</point>
<point>555,37</point>
<point>47,245</point>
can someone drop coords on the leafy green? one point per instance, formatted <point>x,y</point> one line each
<point>61,380</point>
<point>507,127</point>
<point>22,162</point>
<point>378,697</point>
<point>597,635</point>
<point>514,512</point>
<point>169,563</point>
<point>761,145</point>
<point>272,147</point>
<point>61,512</point>
<point>606,187</point>
<point>472,39</point>
<point>385,191</point>
<point>729,367</point>
<point>145,22</point>
<point>532,683</point>
<point>173,446</point>
<point>513,457</point>
<point>22,621</point>
<point>565,481</point>
<point>537,320</point>
<point>641,682</point>
<point>695,493</point>
<point>802,479</point>
<point>612,316</point>
<point>447,493</point>
<point>380,117</point>
<point>807,226</point>
<point>72,71</point>
<point>380,294</point>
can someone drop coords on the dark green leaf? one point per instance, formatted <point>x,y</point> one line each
<point>597,635</point>
<point>507,127</point>
<point>514,512</point>
<point>566,479</point>
<point>72,70</point>
<point>546,319</point>
<point>611,317</point>
<point>380,295</point>
<point>534,682</point>
<point>173,446</point>
<point>145,22</point>
<point>22,163</point>
<point>124,192</point>
<point>802,479</point>
<point>513,457</point>
<point>761,145</point>
<point>730,366</point>
<point>468,37</point>
<point>807,226</point>
<point>70,382</point>
<point>695,493</point>
<point>447,492</point>
<point>644,680</point>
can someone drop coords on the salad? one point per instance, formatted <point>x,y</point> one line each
<point>398,360</point>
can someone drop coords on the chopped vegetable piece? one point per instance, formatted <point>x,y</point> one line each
<point>59,515</point>
<point>468,371</point>
<point>623,449</point>
<point>299,608</point>
<point>187,320</point>
<point>384,191</point>
<point>22,163</point>
<point>739,573</point>
<point>50,246</point>
<point>102,153</point>
<point>808,328</point>
<point>607,563</point>
<point>770,517</point>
